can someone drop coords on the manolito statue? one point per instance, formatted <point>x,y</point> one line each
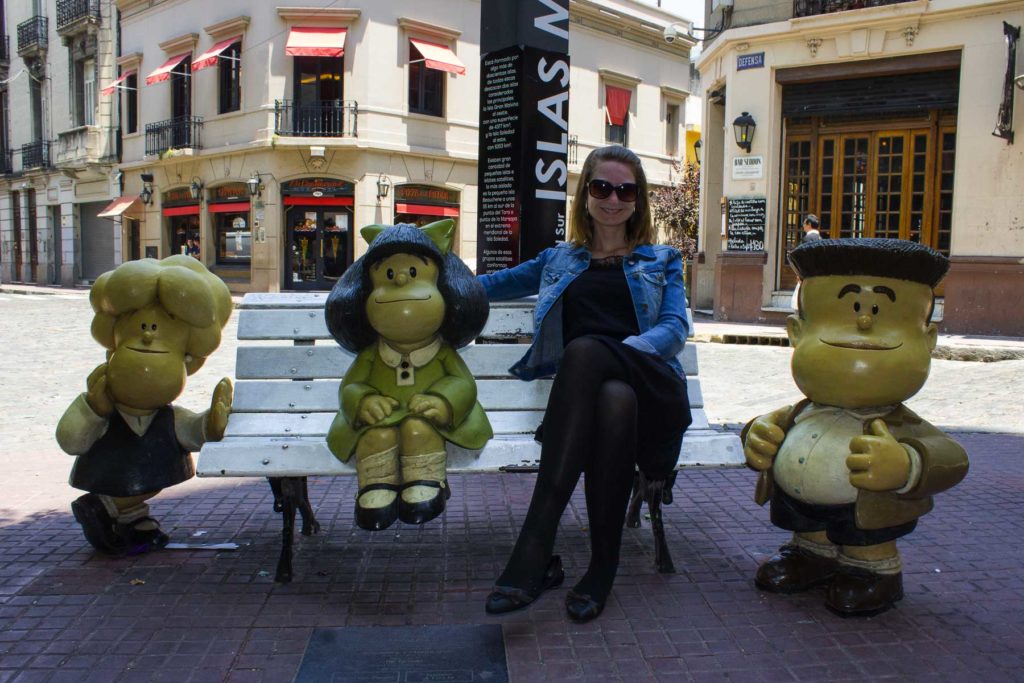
<point>404,308</point>
<point>850,469</point>
<point>158,320</point>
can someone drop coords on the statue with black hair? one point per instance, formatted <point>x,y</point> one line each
<point>404,308</point>
<point>850,469</point>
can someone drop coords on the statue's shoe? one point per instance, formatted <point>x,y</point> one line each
<point>143,540</point>
<point>98,527</point>
<point>794,570</point>
<point>856,592</point>
<point>377,518</point>
<point>425,510</point>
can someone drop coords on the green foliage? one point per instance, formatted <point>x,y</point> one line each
<point>676,208</point>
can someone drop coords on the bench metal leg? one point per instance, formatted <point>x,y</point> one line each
<point>654,493</point>
<point>291,493</point>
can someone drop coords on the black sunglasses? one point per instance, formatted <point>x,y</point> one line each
<point>601,189</point>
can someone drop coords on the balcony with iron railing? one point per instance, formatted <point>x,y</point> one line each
<point>326,119</point>
<point>75,16</point>
<point>574,150</point>
<point>32,36</point>
<point>85,145</point>
<point>35,155</point>
<point>183,132</point>
<point>807,8</point>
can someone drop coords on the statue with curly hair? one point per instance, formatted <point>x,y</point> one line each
<point>158,320</point>
<point>404,307</point>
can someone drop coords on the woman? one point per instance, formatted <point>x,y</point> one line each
<point>610,318</point>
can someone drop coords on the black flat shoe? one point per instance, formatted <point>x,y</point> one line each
<point>377,519</point>
<point>143,540</point>
<point>98,526</point>
<point>426,510</point>
<point>581,607</point>
<point>509,598</point>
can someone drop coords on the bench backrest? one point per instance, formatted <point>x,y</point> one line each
<point>288,369</point>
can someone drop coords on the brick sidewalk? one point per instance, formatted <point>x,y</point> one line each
<point>67,614</point>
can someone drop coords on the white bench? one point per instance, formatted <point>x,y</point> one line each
<point>288,371</point>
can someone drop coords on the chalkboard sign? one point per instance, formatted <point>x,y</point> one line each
<point>745,223</point>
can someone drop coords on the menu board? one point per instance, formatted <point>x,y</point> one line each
<point>745,221</point>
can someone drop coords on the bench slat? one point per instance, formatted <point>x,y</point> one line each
<point>266,396</point>
<point>331,361</point>
<point>503,422</point>
<point>299,457</point>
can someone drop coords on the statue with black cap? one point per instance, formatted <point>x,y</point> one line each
<point>850,469</point>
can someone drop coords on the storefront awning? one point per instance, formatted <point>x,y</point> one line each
<point>109,90</point>
<point>189,210</point>
<point>120,205</point>
<point>164,72</point>
<point>315,41</point>
<point>210,57</point>
<point>427,210</point>
<point>438,57</point>
<point>229,207</point>
<point>616,102</point>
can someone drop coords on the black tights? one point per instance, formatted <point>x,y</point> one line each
<point>589,426</point>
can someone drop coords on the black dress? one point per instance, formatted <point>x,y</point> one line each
<point>598,304</point>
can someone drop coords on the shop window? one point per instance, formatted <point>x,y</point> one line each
<point>229,77</point>
<point>616,109</point>
<point>426,86</point>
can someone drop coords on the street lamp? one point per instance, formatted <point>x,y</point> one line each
<point>383,185</point>
<point>146,194</point>
<point>253,184</point>
<point>696,150</point>
<point>743,127</point>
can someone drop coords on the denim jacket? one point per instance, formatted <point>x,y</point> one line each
<point>654,274</point>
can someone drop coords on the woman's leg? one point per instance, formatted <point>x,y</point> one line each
<point>574,409</point>
<point>609,481</point>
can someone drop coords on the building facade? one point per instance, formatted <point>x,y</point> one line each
<point>885,118</point>
<point>58,141</point>
<point>259,138</point>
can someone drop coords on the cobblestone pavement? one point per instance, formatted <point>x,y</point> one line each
<point>67,614</point>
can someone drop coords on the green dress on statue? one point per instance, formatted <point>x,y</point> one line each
<point>437,370</point>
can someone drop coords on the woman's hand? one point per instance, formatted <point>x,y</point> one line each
<point>374,408</point>
<point>431,407</point>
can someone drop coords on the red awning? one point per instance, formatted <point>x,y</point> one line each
<point>438,57</point>
<point>119,206</point>
<point>209,58</point>
<point>229,207</point>
<point>616,102</point>
<point>319,201</point>
<point>118,81</point>
<point>190,210</point>
<point>164,72</point>
<point>427,209</point>
<point>315,41</point>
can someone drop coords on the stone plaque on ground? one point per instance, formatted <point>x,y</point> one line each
<point>405,654</point>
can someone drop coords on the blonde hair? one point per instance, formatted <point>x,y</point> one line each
<point>179,284</point>
<point>639,227</point>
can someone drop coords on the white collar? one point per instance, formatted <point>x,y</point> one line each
<point>863,414</point>
<point>418,358</point>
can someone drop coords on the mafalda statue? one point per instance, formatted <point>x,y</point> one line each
<point>158,320</point>
<point>850,469</point>
<point>404,307</point>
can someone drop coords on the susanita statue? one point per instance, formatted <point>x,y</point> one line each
<point>158,320</point>
<point>404,308</point>
<point>850,469</point>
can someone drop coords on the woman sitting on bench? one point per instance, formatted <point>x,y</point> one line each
<point>610,318</point>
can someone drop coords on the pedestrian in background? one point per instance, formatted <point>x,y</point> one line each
<point>610,317</point>
<point>811,224</point>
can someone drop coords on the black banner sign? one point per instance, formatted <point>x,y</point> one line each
<point>524,130</point>
<point>745,221</point>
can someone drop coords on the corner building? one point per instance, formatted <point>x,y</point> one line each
<point>877,116</point>
<point>259,138</point>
